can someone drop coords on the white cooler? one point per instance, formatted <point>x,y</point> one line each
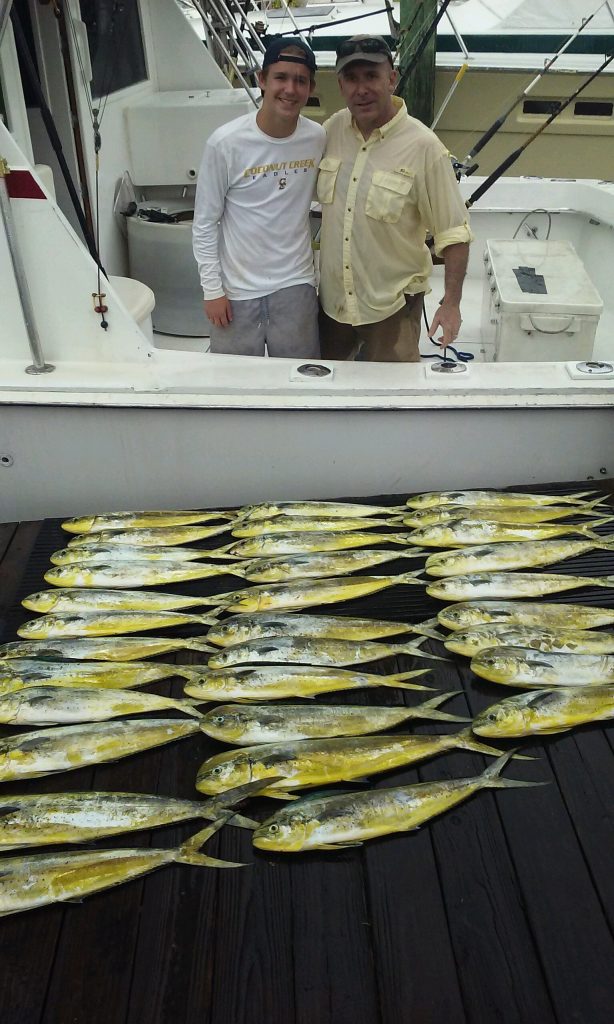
<point>539,303</point>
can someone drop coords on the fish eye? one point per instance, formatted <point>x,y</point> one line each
<point>219,768</point>
<point>219,719</point>
<point>491,717</point>
<point>273,829</point>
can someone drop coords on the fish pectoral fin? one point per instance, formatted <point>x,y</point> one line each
<point>278,794</point>
<point>335,846</point>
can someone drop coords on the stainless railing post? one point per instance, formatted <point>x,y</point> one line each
<point>5,10</point>
<point>39,365</point>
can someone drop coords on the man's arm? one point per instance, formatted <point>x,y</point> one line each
<point>448,316</point>
<point>211,192</point>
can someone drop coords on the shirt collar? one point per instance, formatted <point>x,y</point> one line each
<point>381,133</point>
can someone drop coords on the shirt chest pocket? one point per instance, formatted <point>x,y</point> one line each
<point>328,169</point>
<point>387,195</point>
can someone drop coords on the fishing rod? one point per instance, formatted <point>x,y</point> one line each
<point>513,157</point>
<point>466,166</point>
<point>421,46</point>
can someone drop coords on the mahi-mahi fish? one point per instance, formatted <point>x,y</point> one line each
<point>153,536</point>
<point>35,881</point>
<point>297,650</point>
<point>97,552</point>
<point>498,498</point>
<point>305,763</point>
<point>514,555</point>
<point>238,629</point>
<point>439,514</point>
<point>319,509</point>
<point>105,623</point>
<point>338,821</point>
<point>338,563</point>
<point>112,648</point>
<point>525,613</point>
<point>460,532</point>
<point>122,574</point>
<point>274,682</point>
<point>138,520</point>
<point>269,545</point>
<point>468,586</point>
<point>44,819</point>
<point>63,748</point>
<point>500,634</point>
<point>521,666</point>
<point>276,723</point>
<point>302,524</point>
<point>18,672</point>
<point>544,712</point>
<point>67,705</point>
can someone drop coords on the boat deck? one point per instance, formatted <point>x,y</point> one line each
<point>500,911</point>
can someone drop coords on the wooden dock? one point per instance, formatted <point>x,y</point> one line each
<point>500,912</point>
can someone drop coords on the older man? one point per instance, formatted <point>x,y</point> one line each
<point>385,182</point>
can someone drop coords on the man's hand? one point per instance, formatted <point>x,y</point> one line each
<point>219,311</point>
<point>447,318</point>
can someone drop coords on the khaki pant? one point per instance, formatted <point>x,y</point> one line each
<point>394,340</point>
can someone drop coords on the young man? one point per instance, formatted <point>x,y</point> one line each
<point>252,239</point>
<point>385,183</point>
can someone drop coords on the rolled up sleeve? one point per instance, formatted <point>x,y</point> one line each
<point>441,206</point>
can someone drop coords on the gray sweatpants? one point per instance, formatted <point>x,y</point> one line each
<point>286,321</point>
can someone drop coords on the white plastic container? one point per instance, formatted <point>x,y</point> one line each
<point>539,304</point>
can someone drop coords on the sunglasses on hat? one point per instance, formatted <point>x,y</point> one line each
<point>373,45</point>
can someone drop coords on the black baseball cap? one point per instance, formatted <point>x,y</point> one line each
<point>273,52</point>
<point>373,49</point>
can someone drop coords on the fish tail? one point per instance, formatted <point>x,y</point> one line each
<point>412,552</point>
<point>606,543</point>
<point>188,852</point>
<point>467,741</point>
<point>602,581</point>
<point>414,648</point>
<point>428,708</point>
<point>588,529</point>
<point>191,707</point>
<point>219,552</point>
<point>573,499</point>
<point>428,628</point>
<point>408,577</point>
<point>398,679</point>
<point>491,776</point>
<point>216,807</point>
<point>191,645</point>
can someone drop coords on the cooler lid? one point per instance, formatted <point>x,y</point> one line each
<point>544,276</point>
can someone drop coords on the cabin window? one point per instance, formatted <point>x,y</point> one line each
<point>593,108</point>
<point>115,43</point>
<point>540,107</point>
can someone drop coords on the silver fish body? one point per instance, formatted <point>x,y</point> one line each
<point>429,499</point>
<point>138,520</point>
<point>514,555</point>
<point>239,629</point>
<point>520,666</point>
<point>123,574</point>
<point>334,822</point>
<point>277,723</point>
<point>289,567</point>
<point>18,672</point>
<point>543,712</point>
<point>318,509</point>
<point>302,524</point>
<point>62,748</point>
<point>304,763</point>
<point>466,614</point>
<point>484,585</point>
<point>461,532</point>
<point>105,553</point>
<point>91,599</point>
<point>60,705</point>
<point>268,545</point>
<point>501,634</point>
<point>296,650</point>
<point>439,514</point>
<point>275,682</point>
<point>154,536</point>
<point>307,593</point>
<point>104,624</point>
<point>112,648</point>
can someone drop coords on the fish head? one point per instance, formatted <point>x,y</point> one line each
<point>224,772</point>
<point>466,642</point>
<point>83,524</point>
<point>226,723</point>
<point>504,719</point>
<point>287,831</point>
<point>42,601</point>
<point>500,666</point>
<point>226,634</point>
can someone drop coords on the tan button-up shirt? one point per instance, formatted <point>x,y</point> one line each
<point>380,198</point>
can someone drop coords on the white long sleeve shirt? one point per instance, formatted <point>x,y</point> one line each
<point>251,230</point>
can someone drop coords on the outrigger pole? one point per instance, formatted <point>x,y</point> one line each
<point>513,157</point>
<point>498,123</point>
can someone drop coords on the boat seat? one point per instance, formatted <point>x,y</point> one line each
<point>138,299</point>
